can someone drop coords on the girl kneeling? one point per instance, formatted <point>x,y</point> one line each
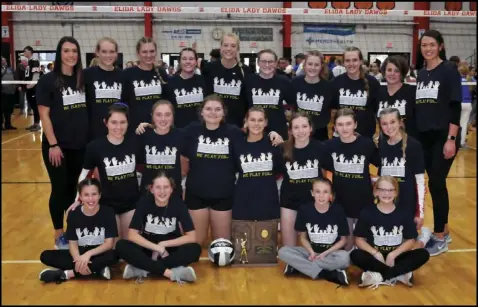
<point>323,232</point>
<point>91,231</point>
<point>155,241</point>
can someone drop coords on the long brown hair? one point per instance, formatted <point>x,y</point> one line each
<point>362,75</point>
<point>395,112</point>
<point>146,40</point>
<point>289,144</point>
<point>324,70</point>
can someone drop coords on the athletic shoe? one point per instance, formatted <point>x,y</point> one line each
<point>52,275</point>
<point>35,127</point>
<point>182,274</point>
<point>373,280</point>
<point>436,246</point>
<point>289,270</point>
<point>336,276</point>
<point>132,272</point>
<point>425,235</point>
<point>404,279</point>
<point>105,273</point>
<point>62,243</point>
<point>448,238</point>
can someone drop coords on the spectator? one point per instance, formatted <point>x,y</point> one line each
<point>455,60</point>
<point>8,96</point>
<point>339,67</point>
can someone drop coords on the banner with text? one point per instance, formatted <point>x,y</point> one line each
<point>182,34</point>
<point>329,38</point>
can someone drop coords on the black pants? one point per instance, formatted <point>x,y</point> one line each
<point>437,168</point>
<point>406,262</point>
<point>8,101</point>
<point>62,259</point>
<point>64,180</point>
<point>32,101</point>
<point>321,134</point>
<point>140,257</point>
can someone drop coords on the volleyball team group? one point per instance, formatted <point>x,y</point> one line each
<point>143,164</point>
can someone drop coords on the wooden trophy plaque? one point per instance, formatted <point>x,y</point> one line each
<point>255,242</point>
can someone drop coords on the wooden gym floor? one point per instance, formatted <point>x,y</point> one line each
<point>26,231</point>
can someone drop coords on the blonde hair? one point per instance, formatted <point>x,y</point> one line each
<point>396,112</point>
<point>324,70</point>
<point>93,62</point>
<point>238,43</point>
<point>362,74</point>
<point>464,72</point>
<point>145,40</point>
<point>389,179</point>
<point>106,39</point>
<point>345,112</point>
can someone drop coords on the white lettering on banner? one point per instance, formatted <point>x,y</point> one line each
<point>235,10</point>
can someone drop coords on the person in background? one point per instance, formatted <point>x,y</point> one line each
<point>472,74</point>
<point>129,64</point>
<point>339,67</point>
<point>282,69</point>
<point>171,71</point>
<point>20,76</point>
<point>466,106</point>
<point>375,71</point>
<point>8,96</point>
<point>32,73</point>
<point>299,58</point>
<point>42,68</point>
<point>331,63</point>
<point>49,67</point>
<point>455,60</point>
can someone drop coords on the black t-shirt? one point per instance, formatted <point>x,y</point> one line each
<point>313,99</point>
<point>102,89</point>
<point>186,95</point>
<point>159,224</point>
<point>269,94</point>
<point>385,232</point>
<point>68,112</point>
<point>117,168</point>
<point>141,89</point>
<point>299,173</point>
<point>348,93</point>
<point>32,68</point>
<point>436,90</point>
<point>349,163</point>
<point>403,100</point>
<point>161,153</point>
<point>323,229</point>
<point>392,163</point>
<point>229,84</point>
<point>256,196</point>
<point>211,166</point>
<point>91,231</point>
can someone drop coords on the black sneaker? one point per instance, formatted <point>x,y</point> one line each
<point>51,275</point>
<point>336,276</point>
<point>289,270</point>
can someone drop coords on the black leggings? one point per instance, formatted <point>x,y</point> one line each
<point>140,257</point>
<point>8,101</point>
<point>32,101</point>
<point>437,168</point>
<point>62,259</point>
<point>64,180</point>
<point>406,262</point>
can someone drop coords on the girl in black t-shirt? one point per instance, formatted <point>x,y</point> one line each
<point>312,93</point>
<point>102,85</point>
<point>437,113</point>
<point>269,92</point>
<point>302,165</point>
<point>397,94</point>
<point>186,89</point>
<point>64,116</point>
<point>115,157</point>
<point>348,157</point>
<point>144,84</point>
<point>385,236</point>
<point>91,232</point>
<point>357,91</point>
<point>323,230</point>
<point>161,237</point>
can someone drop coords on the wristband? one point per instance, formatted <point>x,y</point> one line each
<point>54,145</point>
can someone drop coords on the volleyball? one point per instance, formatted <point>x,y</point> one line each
<point>221,252</point>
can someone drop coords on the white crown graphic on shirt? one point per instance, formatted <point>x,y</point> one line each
<point>259,97</point>
<point>382,238</point>
<point>313,104</point>
<point>231,88</point>
<point>353,166</point>
<point>262,164</point>
<point>71,97</point>
<point>395,168</point>
<point>358,99</point>
<point>115,168</point>
<point>104,91</point>
<point>322,236</point>
<point>160,226</point>
<point>399,105</point>
<point>309,170</point>
<point>153,156</point>
<point>144,89</point>
<point>183,96</point>
<point>86,237</point>
<point>427,91</point>
<point>220,147</point>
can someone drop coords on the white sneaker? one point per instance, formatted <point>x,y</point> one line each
<point>132,272</point>
<point>373,280</point>
<point>425,235</point>
<point>405,279</point>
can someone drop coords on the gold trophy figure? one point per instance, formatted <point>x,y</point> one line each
<point>243,250</point>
